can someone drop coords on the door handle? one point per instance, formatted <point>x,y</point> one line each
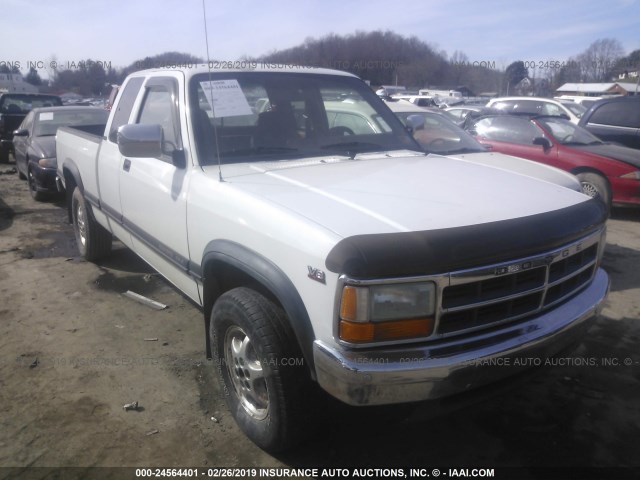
<point>127,165</point>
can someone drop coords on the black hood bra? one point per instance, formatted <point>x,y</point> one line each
<point>440,251</point>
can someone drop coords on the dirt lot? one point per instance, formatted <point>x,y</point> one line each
<point>74,350</point>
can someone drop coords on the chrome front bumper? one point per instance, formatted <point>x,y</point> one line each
<point>428,371</point>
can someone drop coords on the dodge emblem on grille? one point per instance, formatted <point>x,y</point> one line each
<point>516,267</point>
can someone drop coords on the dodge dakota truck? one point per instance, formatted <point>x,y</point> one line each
<point>325,254</point>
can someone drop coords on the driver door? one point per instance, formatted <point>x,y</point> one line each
<point>153,191</point>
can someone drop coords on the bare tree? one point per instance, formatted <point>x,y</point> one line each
<point>628,67</point>
<point>459,67</point>
<point>600,59</point>
<point>33,77</point>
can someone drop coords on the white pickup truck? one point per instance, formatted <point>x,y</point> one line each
<point>328,252</point>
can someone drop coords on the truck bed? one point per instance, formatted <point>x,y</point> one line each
<point>77,147</point>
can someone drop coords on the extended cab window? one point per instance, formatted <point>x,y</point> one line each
<point>124,106</point>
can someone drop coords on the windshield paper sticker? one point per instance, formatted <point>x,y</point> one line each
<point>44,116</point>
<point>226,98</point>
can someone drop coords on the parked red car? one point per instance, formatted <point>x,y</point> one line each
<point>606,170</point>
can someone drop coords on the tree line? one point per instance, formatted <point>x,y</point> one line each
<point>382,58</point>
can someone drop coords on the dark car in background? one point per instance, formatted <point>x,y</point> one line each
<point>608,171</point>
<point>615,120</point>
<point>35,143</point>
<point>14,107</point>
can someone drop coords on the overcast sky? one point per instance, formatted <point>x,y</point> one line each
<point>118,32</point>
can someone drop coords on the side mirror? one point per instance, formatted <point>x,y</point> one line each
<point>140,140</point>
<point>543,142</point>
<point>21,132</point>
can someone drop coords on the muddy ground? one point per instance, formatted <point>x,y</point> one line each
<point>74,350</point>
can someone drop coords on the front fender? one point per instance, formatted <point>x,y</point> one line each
<point>220,254</point>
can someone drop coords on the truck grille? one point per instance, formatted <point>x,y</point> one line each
<point>488,296</point>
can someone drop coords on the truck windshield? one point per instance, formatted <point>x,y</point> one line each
<point>250,116</point>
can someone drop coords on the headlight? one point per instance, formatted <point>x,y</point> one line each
<point>48,162</point>
<point>387,312</point>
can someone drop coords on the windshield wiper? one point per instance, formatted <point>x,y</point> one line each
<point>458,151</point>
<point>353,144</point>
<point>275,149</point>
<point>258,150</point>
<point>353,148</point>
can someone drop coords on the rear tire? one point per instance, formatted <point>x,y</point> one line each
<point>596,186</point>
<point>261,369</point>
<point>94,242</point>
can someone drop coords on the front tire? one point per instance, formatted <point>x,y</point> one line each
<point>261,368</point>
<point>94,242</point>
<point>596,186</point>
<point>33,188</point>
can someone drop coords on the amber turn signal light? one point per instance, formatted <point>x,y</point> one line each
<point>353,332</point>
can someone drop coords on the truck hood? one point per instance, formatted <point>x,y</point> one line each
<point>382,194</point>
<point>407,214</point>
<point>523,167</point>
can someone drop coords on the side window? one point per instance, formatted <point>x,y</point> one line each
<point>509,130</point>
<point>158,109</point>
<point>124,106</point>
<point>529,106</point>
<point>551,109</point>
<point>618,114</point>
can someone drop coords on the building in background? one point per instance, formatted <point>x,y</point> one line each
<point>598,89</point>
<point>14,83</point>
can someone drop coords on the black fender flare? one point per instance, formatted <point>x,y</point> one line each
<point>225,253</point>
<point>70,171</point>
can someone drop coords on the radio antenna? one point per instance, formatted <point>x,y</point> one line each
<point>213,110</point>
